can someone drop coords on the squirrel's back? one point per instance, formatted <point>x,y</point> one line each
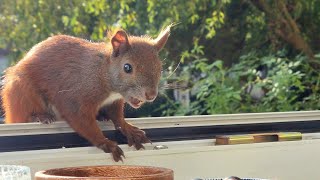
<point>58,66</point>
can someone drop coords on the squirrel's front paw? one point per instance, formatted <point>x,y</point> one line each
<point>112,147</point>
<point>135,136</point>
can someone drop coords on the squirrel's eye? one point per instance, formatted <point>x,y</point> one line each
<point>127,68</point>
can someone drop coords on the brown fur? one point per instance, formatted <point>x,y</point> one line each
<point>68,78</point>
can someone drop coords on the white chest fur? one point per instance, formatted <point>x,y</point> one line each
<point>110,99</point>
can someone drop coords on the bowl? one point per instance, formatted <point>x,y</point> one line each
<point>111,172</point>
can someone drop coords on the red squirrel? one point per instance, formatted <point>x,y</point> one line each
<point>71,79</point>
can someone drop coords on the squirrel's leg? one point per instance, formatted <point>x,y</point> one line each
<point>20,100</point>
<point>85,124</point>
<point>134,135</point>
<point>88,128</point>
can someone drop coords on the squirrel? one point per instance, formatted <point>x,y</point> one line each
<point>73,79</point>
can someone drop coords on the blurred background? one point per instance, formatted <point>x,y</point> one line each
<point>223,56</point>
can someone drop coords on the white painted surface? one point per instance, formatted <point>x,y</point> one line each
<point>189,159</point>
<point>294,160</point>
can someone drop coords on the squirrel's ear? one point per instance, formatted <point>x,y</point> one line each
<point>120,43</point>
<point>162,38</point>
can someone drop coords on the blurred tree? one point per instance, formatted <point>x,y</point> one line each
<point>281,18</point>
<point>240,33</point>
<point>26,22</point>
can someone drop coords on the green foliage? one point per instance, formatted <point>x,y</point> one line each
<point>28,22</point>
<point>283,85</point>
<point>219,44</point>
<point>215,92</point>
<point>291,85</point>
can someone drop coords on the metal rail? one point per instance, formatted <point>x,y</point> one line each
<point>169,122</point>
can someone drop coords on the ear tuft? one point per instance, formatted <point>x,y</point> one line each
<point>162,38</point>
<point>120,42</point>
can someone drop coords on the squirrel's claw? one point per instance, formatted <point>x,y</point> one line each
<point>136,137</point>
<point>113,148</point>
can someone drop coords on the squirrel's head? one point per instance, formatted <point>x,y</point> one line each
<point>135,66</point>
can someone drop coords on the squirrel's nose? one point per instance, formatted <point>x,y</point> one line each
<point>151,95</point>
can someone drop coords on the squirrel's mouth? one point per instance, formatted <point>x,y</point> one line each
<point>134,102</point>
